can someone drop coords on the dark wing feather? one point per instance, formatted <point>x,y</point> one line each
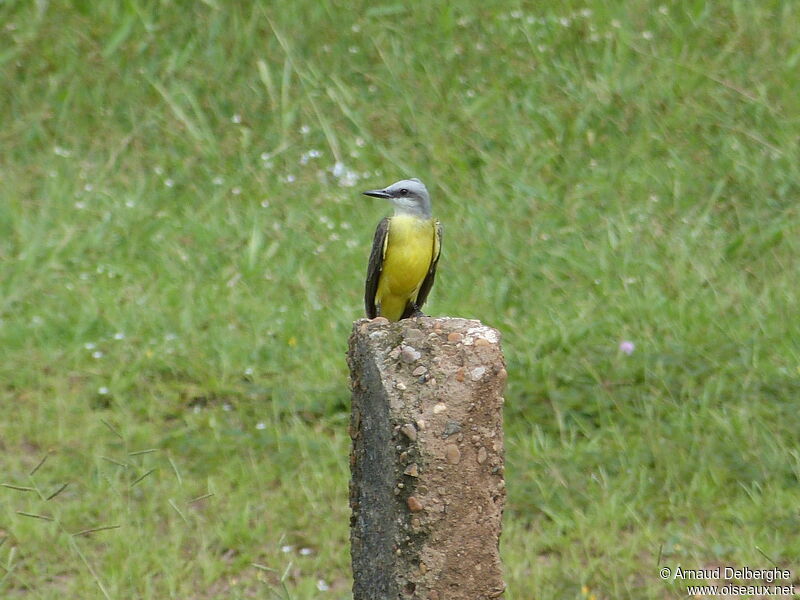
<point>427,283</point>
<point>375,267</point>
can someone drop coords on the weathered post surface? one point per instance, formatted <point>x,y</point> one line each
<point>427,488</point>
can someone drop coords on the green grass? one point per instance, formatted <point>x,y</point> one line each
<point>178,274</point>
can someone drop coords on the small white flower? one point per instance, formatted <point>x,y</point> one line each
<point>90,345</point>
<point>648,35</point>
<point>287,548</point>
<point>261,425</point>
<point>346,176</point>
<point>322,586</point>
<point>306,156</point>
<point>119,336</point>
<point>97,354</point>
<point>236,119</point>
<point>305,129</point>
<point>102,390</point>
<point>169,182</point>
<point>306,551</point>
<point>236,191</point>
<point>217,180</point>
<point>265,203</point>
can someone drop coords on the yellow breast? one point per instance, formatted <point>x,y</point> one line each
<point>409,251</point>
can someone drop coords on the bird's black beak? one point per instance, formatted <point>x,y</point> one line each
<point>378,194</point>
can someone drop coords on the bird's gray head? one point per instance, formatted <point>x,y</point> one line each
<point>409,196</point>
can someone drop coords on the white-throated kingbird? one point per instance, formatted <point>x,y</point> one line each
<point>405,252</point>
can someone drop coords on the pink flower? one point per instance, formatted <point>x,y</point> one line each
<point>626,347</point>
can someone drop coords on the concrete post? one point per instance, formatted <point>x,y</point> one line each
<point>427,488</point>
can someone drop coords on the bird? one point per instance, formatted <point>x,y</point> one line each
<point>405,253</point>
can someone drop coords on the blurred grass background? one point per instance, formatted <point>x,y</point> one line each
<point>182,253</point>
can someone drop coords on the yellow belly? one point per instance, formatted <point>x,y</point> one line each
<point>408,256</point>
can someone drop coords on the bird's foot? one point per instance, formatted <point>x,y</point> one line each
<point>417,312</point>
